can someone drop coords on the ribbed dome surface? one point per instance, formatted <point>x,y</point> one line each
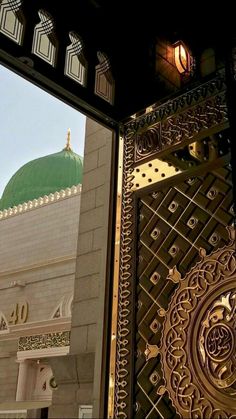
<point>43,176</point>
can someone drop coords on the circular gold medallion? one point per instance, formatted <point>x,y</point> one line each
<point>198,353</point>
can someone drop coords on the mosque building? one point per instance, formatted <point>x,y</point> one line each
<point>39,220</point>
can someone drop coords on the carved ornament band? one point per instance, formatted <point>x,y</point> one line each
<point>49,340</point>
<point>185,118</point>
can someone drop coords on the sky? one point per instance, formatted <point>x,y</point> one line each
<point>33,124</point>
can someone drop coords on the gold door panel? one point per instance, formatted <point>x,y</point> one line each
<point>174,341</point>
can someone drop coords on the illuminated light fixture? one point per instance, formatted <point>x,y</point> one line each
<point>182,57</point>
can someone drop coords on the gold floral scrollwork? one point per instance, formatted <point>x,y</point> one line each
<point>174,275</point>
<point>198,340</point>
<point>151,351</point>
<point>121,399</point>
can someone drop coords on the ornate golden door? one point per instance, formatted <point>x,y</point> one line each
<point>173,345</point>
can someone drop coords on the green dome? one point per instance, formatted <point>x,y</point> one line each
<point>43,176</point>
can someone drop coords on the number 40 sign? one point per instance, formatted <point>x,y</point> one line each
<point>19,313</point>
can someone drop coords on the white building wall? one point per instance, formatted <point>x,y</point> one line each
<point>37,265</point>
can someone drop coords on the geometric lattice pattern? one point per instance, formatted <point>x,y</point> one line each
<point>11,20</point>
<point>44,41</point>
<point>184,159</point>
<point>172,225</point>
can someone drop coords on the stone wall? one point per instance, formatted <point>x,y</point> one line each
<point>8,370</point>
<point>79,375</point>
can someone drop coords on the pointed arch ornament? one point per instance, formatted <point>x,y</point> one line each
<point>57,312</point>
<point>104,81</point>
<point>75,63</point>
<point>3,324</point>
<point>12,20</point>
<point>44,382</point>
<point>44,40</point>
<point>63,308</point>
<point>198,344</point>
